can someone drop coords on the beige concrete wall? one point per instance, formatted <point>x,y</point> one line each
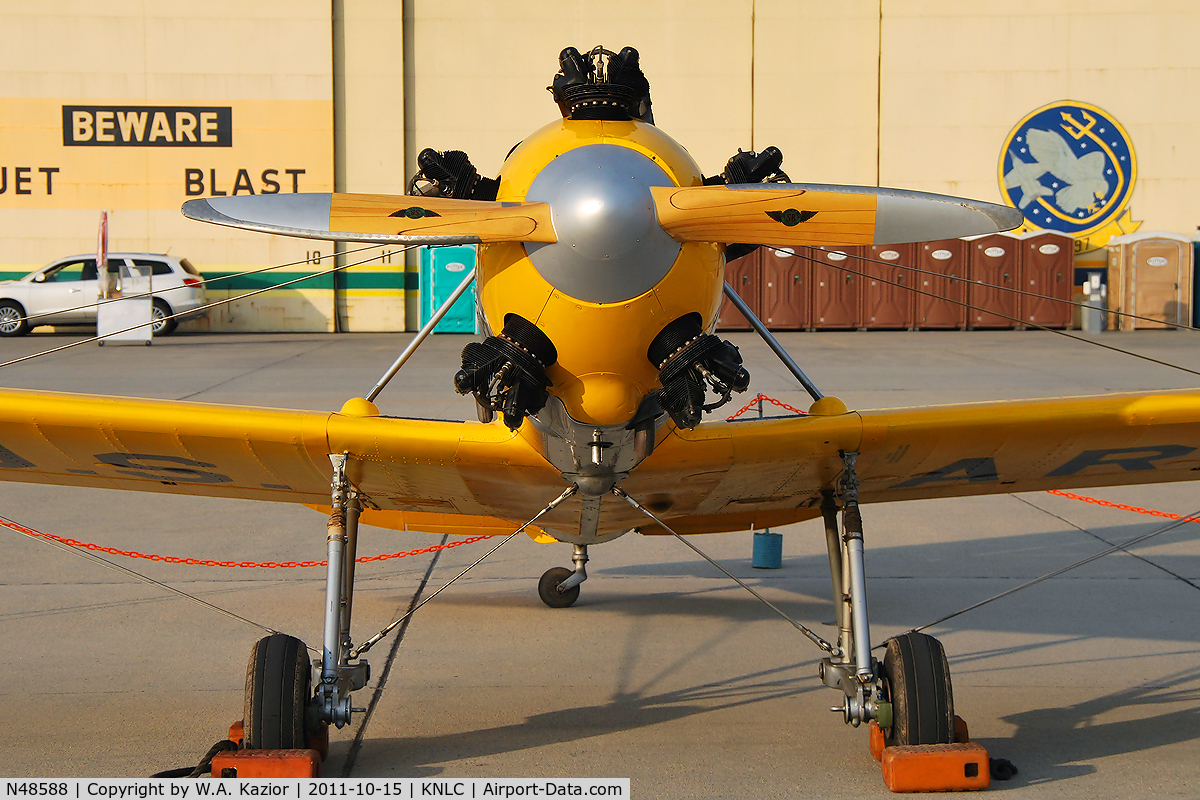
<point>481,68</point>
<point>270,62</point>
<point>815,87</point>
<point>368,75</point>
<point>909,93</point>
<point>958,76</point>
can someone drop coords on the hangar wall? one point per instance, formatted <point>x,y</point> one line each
<point>911,93</point>
<point>140,76</point>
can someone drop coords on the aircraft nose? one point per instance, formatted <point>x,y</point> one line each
<point>610,246</point>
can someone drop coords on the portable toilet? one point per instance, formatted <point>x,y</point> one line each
<point>1150,276</point>
<point>1195,282</point>
<point>442,270</point>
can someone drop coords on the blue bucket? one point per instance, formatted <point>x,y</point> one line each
<point>768,550</point>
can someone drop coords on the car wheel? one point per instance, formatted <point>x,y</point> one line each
<point>160,325</point>
<point>12,319</point>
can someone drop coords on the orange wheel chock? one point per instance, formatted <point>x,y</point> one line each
<point>876,740</point>
<point>319,741</point>
<point>236,734</point>
<point>961,735</point>
<point>267,764</point>
<point>930,768</point>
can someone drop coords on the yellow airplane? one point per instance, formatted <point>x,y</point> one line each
<point>601,256</point>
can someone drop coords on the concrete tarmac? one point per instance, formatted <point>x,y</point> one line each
<point>663,672</point>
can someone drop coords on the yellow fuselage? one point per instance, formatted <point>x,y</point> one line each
<point>602,373</point>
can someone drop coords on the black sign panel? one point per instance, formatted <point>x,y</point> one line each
<point>147,126</point>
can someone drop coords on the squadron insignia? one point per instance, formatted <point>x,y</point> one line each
<point>414,212</point>
<point>791,217</point>
<point>1069,167</point>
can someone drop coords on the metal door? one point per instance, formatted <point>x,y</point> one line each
<point>835,288</point>
<point>1047,269</point>
<point>941,304</point>
<point>887,297</point>
<point>992,269</point>
<point>786,273</point>
<point>745,276</point>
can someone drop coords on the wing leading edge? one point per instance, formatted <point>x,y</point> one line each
<point>467,478</point>
<point>771,472</point>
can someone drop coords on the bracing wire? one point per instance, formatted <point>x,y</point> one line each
<point>104,562</point>
<point>213,304</point>
<point>206,282</point>
<point>1085,340</point>
<point>1170,526</point>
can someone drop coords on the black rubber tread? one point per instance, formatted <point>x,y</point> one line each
<point>548,588</point>
<point>168,325</point>
<point>24,327</point>
<point>922,695</point>
<point>278,682</point>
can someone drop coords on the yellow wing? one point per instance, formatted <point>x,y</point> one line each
<point>727,476</point>
<point>468,478</point>
<point>438,477</point>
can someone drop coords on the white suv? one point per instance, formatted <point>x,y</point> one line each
<point>66,292</point>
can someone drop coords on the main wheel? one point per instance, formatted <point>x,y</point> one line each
<point>12,319</point>
<point>159,324</point>
<point>548,588</point>
<point>922,699</point>
<point>278,687</point>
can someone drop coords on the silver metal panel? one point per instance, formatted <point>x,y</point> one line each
<point>304,216</point>
<point>908,216</point>
<point>610,246</point>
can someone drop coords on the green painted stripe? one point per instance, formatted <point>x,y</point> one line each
<point>394,279</point>
<point>265,280</point>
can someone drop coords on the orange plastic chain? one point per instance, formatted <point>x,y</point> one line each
<point>1136,509</point>
<point>771,400</point>
<point>204,562</point>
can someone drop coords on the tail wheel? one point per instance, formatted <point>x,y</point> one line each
<point>548,588</point>
<point>922,699</point>
<point>160,325</point>
<point>278,688</point>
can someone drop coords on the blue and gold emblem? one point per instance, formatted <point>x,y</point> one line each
<point>1070,167</point>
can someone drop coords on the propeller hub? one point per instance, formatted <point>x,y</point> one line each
<point>610,246</point>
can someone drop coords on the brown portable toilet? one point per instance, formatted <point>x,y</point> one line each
<point>887,296</point>
<point>992,264</point>
<point>786,274</point>
<point>1150,276</point>
<point>745,276</point>
<point>835,292</point>
<point>1047,268</point>
<point>941,304</point>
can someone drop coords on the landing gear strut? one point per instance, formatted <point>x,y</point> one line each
<point>908,694</point>
<point>281,710</point>
<point>559,587</point>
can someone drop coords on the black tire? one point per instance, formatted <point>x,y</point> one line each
<point>12,319</point>
<point>922,698</point>
<point>548,588</point>
<point>278,687</point>
<point>160,325</point>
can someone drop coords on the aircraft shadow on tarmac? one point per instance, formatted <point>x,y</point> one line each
<point>1048,744</point>
<point>898,579</point>
<point>420,757</point>
<point>1052,744</point>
